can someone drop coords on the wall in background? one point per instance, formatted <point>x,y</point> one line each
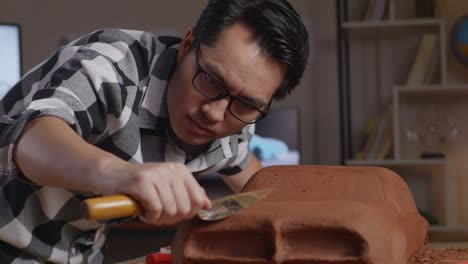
<point>45,22</point>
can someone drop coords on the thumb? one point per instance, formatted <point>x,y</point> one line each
<point>207,203</point>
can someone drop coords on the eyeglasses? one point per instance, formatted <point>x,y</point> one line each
<point>213,89</point>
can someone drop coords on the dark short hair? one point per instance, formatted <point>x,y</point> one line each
<point>276,26</point>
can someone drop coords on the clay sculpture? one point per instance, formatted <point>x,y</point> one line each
<point>315,214</point>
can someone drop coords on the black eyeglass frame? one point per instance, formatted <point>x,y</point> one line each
<point>232,97</point>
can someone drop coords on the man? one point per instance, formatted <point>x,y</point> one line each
<point>122,111</point>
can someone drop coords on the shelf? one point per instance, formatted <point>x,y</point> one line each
<point>454,228</point>
<point>393,162</point>
<point>381,24</point>
<point>433,90</point>
<point>375,62</point>
<point>455,233</point>
<point>394,26</point>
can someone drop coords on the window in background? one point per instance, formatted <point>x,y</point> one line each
<point>10,56</point>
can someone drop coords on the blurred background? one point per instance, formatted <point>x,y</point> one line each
<point>385,86</point>
<point>46,25</point>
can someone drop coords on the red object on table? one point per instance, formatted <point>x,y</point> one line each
<point>159,258</point>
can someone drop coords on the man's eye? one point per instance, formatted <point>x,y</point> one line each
<point>241,107</point>
<point>211,85</point>
<point>249,107</point>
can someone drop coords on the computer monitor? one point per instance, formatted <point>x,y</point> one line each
<point>10,54</point>
<point>280,126</point>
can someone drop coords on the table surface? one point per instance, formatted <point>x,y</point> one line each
<point>435,245</point>
<point>133,261</point>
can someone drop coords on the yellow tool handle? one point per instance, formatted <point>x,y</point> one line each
<point>110,207</point>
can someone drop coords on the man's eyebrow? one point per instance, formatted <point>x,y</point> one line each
<point>214,70</point>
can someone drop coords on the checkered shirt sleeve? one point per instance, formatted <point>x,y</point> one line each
<point>94,84</point>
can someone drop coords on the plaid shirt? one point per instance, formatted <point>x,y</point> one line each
<point>109,86</point>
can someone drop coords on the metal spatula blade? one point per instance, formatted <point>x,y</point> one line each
<point>229,205</point>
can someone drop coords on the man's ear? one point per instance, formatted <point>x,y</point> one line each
<point>185,44</point>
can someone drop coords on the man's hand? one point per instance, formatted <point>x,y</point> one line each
<point>168,192</point>
<point>50,153</point>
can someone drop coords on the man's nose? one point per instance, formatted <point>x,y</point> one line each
<point>215,110</point>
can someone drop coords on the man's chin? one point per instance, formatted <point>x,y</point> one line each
<point>190,140</point>
<point>194,142</point>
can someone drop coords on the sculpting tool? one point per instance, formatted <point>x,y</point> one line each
<point>118,206</point>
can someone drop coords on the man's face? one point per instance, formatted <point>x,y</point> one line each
<point>237,62</point>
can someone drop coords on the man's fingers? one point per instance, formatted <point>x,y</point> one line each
<point>174,195</point>
<point>196,193</point>
<point>152,206</point>
<point>182,199</point>
<point>167,198</point>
